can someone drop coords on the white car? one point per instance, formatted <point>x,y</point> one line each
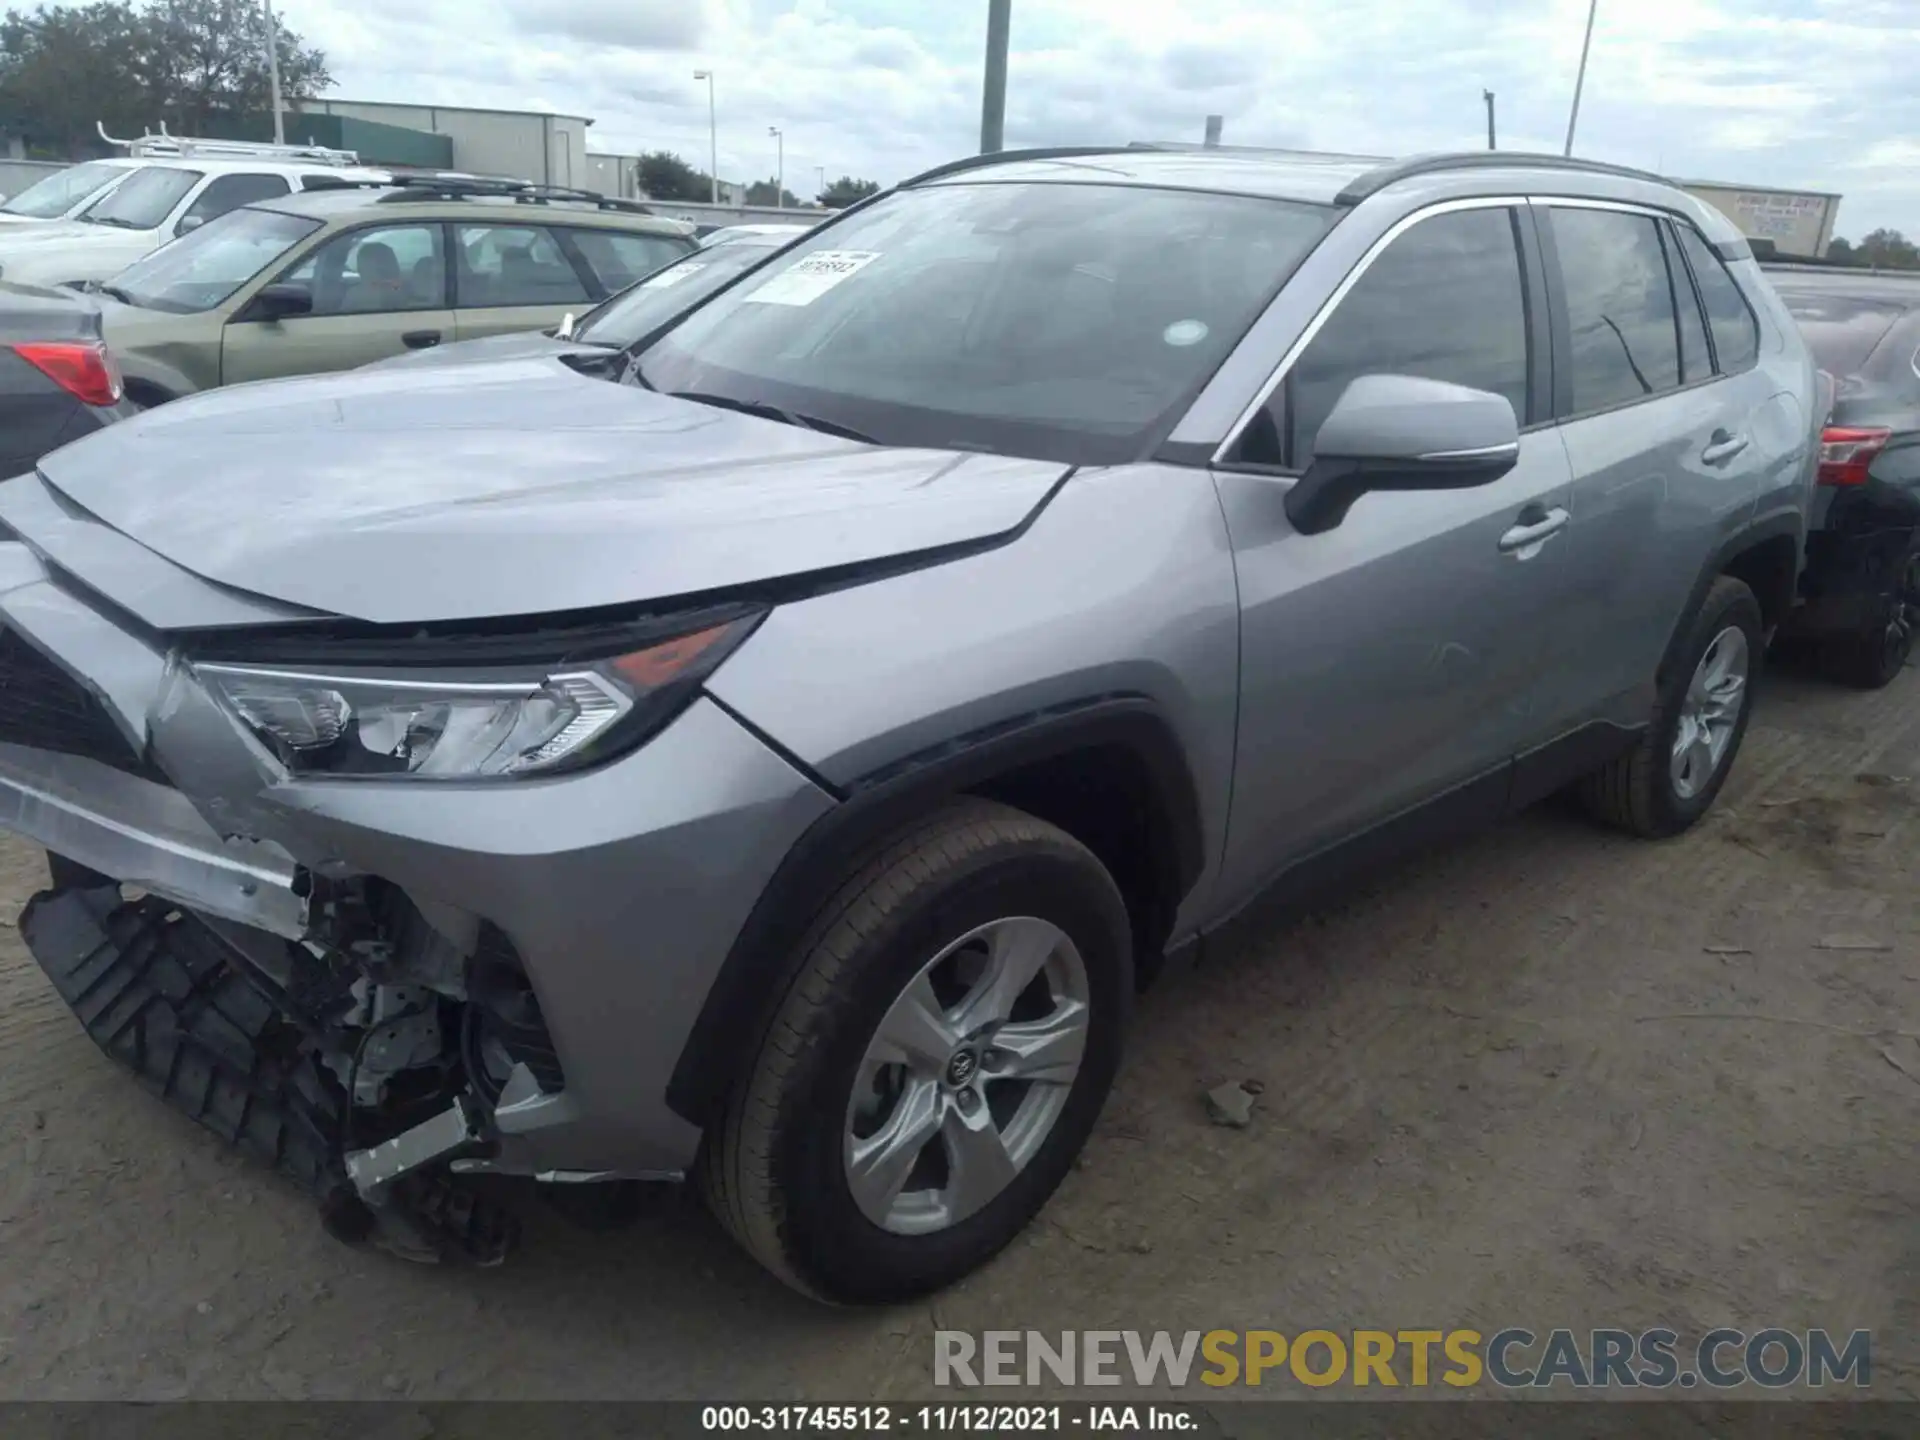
<point>65,193</point>
<point>159,201</point>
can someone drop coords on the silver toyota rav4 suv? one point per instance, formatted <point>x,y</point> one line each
<point>777,758</point>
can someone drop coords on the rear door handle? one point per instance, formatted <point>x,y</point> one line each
<point>1534,528</point>
<point>420,339</point>
<point>1723,446</point>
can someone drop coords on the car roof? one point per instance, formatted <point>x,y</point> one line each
<point>224,165</point>
<point>370,201</point>
<point>1333,179</point>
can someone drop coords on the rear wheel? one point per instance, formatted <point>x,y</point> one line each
<point>1872,659</point>
<point>1670,778</point>
<point>936,1063</point>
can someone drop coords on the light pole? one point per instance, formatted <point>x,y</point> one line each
<point>1580,80</point>
<point>713,138</point>
<point>1487,95</point>
<point>780,175</point>
<point>821,171</point>
<point>993,95</point>
<point>273,76</point>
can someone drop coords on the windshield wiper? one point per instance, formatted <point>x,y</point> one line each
<point>774,412</point>
<point>116,293</point>
<point>116,223</point>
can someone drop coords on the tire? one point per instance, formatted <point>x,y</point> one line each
<point>1873,659</point>
<point>775,1169</point>
<point>1639,792</point>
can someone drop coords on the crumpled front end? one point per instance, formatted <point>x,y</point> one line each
<point>386,988</point>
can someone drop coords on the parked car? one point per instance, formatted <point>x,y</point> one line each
<point>734,232</point>
<point>330,280</point>
<point>57,380</point>
<point>780,765</point>
<point>161,200</point>
<point>608,333</point>
<point>1862,580</point>
<point>65,193</point>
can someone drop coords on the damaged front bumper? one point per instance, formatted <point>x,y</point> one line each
<point>352,928</point>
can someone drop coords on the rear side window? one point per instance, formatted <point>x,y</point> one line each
<point>1623,332</point>
<point>1696,361</point>
<point>618,258</point>
<point>1736,334</point>
<point>501,265</point>
<point>1444,301</point>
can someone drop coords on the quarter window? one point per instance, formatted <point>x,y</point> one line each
<point>1736,335</point>
<point>618,258</point>
<point>1444,301</point>
<point>1624,336</point>
<point>513,265</point>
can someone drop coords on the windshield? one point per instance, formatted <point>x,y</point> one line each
<point>205,266</point>
<point>143,199</point>
<point>639,310</point>
<point>1060,321</point>
<point>54,196</point>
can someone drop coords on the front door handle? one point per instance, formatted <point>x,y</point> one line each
<point>1722,446</point>
<point>420,339</point>
<point>1533,529</point>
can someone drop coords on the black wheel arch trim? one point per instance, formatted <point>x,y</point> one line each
<point>725,1031</point>
<point>1785,524</point>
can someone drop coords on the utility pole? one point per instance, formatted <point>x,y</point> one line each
<point>821,171</point>
<point>993,96</point>
<point>1487,95</point>
<point>780,176</point>
<point>1580,80</point>
<point>713,138</point>
<point>273,76</point>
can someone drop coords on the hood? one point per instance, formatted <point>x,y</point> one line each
<point>59,251</point>
<point>43,233</point>
<point>514,488</point>
<point>521,345</point>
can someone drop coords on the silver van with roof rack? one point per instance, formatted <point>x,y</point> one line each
<point>778,761</point>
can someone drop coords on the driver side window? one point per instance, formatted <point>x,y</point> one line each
<point>1445,301</point>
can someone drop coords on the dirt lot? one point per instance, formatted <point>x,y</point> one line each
<point>1550,1077</point>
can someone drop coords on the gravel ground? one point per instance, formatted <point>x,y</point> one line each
<point>1547,1077</point>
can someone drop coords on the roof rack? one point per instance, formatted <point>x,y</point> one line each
<point>1002,157</point>
<point>1376,180</point>
<point>164,146</point>
<point>426,185</point>
<point>1187,147</point>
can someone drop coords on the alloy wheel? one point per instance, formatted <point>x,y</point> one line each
<point>966,1074</point>
<point>1710,712</point>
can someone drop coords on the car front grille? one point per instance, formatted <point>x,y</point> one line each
<point>44,707</point>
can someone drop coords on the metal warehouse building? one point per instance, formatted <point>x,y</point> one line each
<point>546,149</point>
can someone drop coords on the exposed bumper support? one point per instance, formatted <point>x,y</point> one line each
<point>146,835</point>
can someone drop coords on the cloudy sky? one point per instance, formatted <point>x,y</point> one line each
<point>1818,94</point>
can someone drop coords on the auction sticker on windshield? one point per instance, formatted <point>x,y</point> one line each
<point>812,276</point>
<point>673,275</point>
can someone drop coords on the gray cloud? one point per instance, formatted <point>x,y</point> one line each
<point>640,24</point>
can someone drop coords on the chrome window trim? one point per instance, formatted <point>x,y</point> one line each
<point>1339,293</point>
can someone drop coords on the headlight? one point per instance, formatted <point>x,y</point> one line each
<point>384,725</point>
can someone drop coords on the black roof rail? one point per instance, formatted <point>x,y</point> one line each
<point>1376,180</point>
<point>412,188</point>
<point>1196,147</point>
<point>1005,157</point>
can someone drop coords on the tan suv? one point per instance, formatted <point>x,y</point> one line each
<point>337,278</point>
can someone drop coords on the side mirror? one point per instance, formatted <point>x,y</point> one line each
<point>277,302</point>
<point>1399,432</point>
<point>189,223</point>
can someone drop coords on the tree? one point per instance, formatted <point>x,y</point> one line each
<point>844,191</point>
<point>64,69</point>
<point>665,176</point>
<point>205,57</point>
<point>1889,250</point>
<point>768,192</point>
<point>67,69</point>
<point>1841,252</point>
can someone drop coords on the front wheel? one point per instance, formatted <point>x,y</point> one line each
<point>1670,778</point>
<point>937,1062</point>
